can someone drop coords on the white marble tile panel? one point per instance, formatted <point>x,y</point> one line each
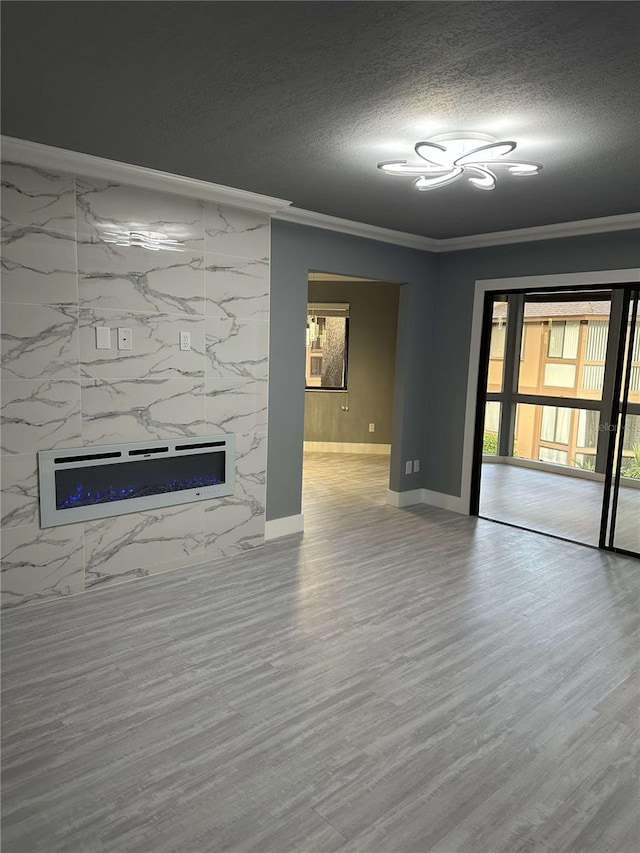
<point>231,231</point>
<point>235,406</point>
<point>38,265</point>
<point>120,410</point>
<point>233,524</point>
<point>41,564</point>
<point>39,341</point>
<point>138,279</point>
<point>33,196</point>
<point>237,348</point>
<point>155,346</point>
<point>107,207</point>
<point>19,497</point>
<point>132,546</point>
<point>236,287</point>
<point>251,459</point>
<point>40,415</point>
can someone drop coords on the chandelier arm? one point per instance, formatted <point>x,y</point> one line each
<point>499,149</point>
<point>486,181</point>
<point>424,184</point>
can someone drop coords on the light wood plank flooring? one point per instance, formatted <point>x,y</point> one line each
<point>556,504</point>
<point>396,681</point>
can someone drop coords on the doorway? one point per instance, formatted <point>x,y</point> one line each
<point>351,337</point>
<point>557,445</point>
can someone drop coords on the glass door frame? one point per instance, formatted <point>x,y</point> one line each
<point>610,406</point>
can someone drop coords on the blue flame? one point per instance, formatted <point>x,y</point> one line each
<point>85,497</point>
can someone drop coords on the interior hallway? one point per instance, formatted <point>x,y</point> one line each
<point>395,681</point>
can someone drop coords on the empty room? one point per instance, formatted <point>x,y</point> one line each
<point>320,427</point>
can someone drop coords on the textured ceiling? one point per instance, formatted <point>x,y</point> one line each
<point>301,100</point>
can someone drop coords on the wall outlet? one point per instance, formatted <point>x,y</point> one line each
<point>125,339</point>
<point>103,337</point>
<point>372,427</point>
<point>185,341</point>
<point>407,467</point>
<point>416,466</point>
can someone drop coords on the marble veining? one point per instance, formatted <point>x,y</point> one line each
<point>33,196</point>
<point>236,287</point>
<point>155,351</point>
<point>115,410</point>
<point>236,347</point>
<point>233,524</point>
<point>40,415</point>
<point>19,496</point>
<point>231,231</point>
<point>40,564</point>
<point>39,340</point>
<point>80,253</point>
<point>38,265</point>
<point>129,546</point>
<point>236,406</point>
<point>139,279</point>
<point>105,207</point>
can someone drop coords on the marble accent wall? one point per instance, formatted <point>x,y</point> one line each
<point>60,279</point>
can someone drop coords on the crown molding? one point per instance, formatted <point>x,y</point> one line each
<point>580,227</point>
<point>48,158</point>
<point>357,229</point>
<point>622,222</point>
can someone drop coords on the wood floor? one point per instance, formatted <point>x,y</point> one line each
<point>557,504</point>
<point>396,681</point>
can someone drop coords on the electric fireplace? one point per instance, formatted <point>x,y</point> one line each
<point>83,483</point>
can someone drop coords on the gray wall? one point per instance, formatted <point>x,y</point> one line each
<point>296,249</point>
<point>373,327</point>
<point>450,328</point>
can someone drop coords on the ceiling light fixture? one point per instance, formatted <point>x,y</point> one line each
<point>446,158</point>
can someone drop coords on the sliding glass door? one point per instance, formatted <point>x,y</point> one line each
<point>621,511</point>
<point>559,450</point>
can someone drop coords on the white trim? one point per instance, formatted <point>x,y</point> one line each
<point>601,225</point>
<point>278,527</point>
<point>59,159</point>
<point>527,282</point>
<point>357,229</point>
<point>74,162</point>
<point>425,496</point>
<point>442,501</point>
<point>347,447</point>
<point>402,499</point>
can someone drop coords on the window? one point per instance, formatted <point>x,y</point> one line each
<point>556,424</point>
<point>557,457</point>
<point>327,346</point>
<point>563,339</point>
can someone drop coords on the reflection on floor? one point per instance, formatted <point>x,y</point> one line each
<point>557,504</point>
<point>393,681</point>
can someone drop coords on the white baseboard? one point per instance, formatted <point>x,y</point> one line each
<point>402,499</point>
<point>278,527</point>
<point>346,447</point>
<point>442,501</point>
<point>425,496</point>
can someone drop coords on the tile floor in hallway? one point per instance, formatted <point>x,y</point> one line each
<point>394,681</point>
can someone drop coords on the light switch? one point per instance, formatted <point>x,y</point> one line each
<point>103,337</point>
<point>185,341</point>
<point>124,338</point>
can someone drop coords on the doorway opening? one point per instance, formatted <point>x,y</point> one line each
<point>351,336</point>
<point>557,445</point>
